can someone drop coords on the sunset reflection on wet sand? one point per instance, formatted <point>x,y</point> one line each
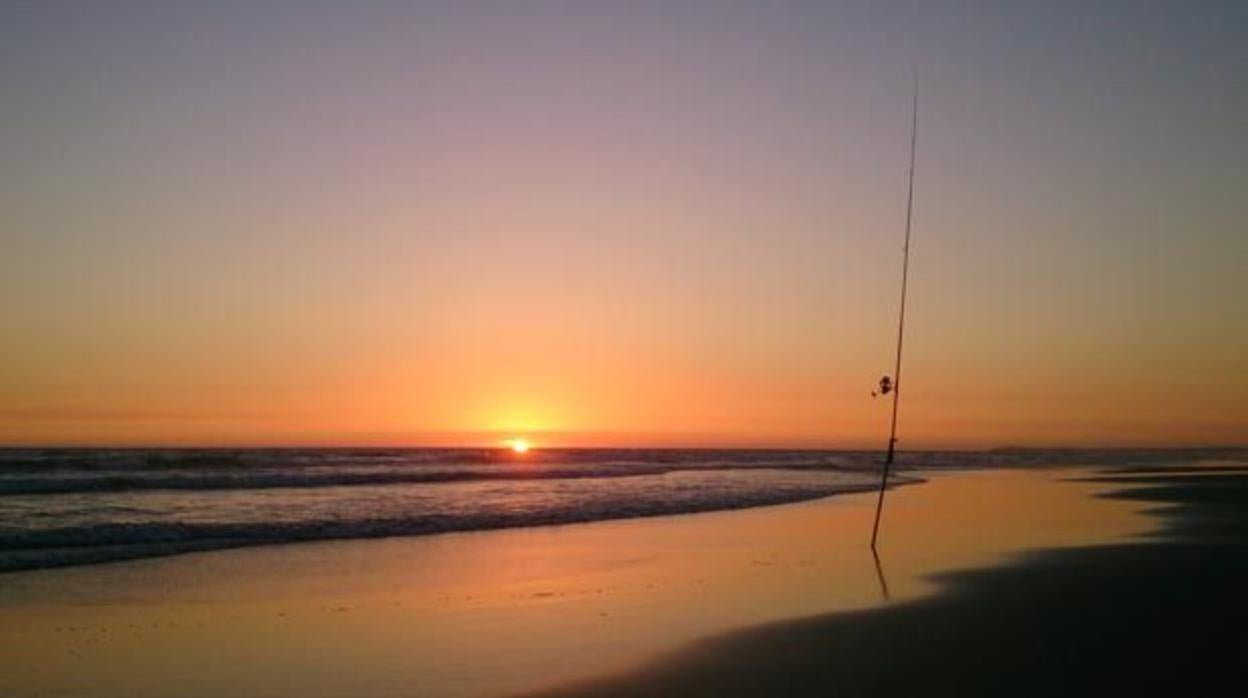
<point>481,614</point>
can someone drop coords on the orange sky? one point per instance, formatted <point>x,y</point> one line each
<point>438,225</point>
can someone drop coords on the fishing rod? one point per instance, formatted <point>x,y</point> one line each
<point>894,385</point>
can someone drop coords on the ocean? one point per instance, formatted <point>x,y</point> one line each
<point>63,507</point>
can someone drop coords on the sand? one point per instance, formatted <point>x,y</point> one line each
<point>1162,618</point>
<point>556,609</point>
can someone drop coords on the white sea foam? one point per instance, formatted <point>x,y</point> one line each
<point>76,507</point>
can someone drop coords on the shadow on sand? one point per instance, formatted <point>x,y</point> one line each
<point>1163,616</point>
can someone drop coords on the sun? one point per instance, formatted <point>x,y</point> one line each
<point>518,445</point>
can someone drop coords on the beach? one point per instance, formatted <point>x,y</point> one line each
<point>556,350</point>
<point>1162,616</point>
<point>757,601</point>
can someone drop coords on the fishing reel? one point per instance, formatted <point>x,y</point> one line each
<point>886,386</point>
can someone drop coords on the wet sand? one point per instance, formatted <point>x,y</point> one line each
<point>552,608</point>
<point>1162,618</point>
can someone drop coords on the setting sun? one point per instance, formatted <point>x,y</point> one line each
<point>519,445</point>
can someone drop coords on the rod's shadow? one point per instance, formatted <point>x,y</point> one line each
<point>879,575</point>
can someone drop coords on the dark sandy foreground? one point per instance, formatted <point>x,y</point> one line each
<point>1165,616</point>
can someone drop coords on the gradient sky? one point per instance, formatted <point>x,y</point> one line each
<point>621,223</point>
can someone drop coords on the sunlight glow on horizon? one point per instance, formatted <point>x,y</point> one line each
<point>519,446</point>
<point>621,225</point>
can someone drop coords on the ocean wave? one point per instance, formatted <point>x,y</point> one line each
<point>79,506</point>
<point>76,545</point>
<point>33,472</point>
<point>247,480</point>
<point>16,461</point>
<point>74,471</point>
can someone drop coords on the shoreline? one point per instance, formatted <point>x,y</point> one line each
<point>33,559</point>
<point>480,614</point>
<point>1155,615</point>
<point>55,526</point>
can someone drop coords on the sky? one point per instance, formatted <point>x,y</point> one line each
<point>621,224</point>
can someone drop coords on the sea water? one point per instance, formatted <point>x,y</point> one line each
<point>78,506</point>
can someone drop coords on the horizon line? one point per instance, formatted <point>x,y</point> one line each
<point>581,447</point>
